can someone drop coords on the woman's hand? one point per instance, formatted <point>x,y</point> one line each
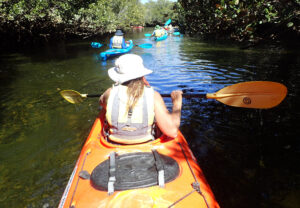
<point>176,96</point>
<point>104,98</point>
<point>168,122</point>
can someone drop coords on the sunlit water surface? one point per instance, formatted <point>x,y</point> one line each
<point>250,157</point>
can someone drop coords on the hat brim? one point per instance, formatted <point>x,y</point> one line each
<point>121,78</point>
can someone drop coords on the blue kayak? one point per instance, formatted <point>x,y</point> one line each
<point>115,52</point>
<point>162,37</point>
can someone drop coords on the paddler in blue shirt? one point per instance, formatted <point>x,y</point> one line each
<point>118,40</point>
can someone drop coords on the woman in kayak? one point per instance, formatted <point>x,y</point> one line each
<point>158,31</point>
<point>118,40</point>
<point>132,105</point>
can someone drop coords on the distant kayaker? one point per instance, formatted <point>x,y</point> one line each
<point>176,29</point>
<point>158,31</point>
<point>118,40</point>
<point>170,29</point>
<point>132,105</point>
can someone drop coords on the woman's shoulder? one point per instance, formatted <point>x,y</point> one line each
<point>157,96</point>
<point>107,91</point>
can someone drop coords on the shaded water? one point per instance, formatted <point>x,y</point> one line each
<point>250,157</point>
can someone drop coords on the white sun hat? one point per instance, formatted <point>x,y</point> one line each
<point>128,67</point>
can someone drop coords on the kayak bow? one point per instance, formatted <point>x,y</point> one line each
<point>115,52</point>
<point>160,173</point>
<point>162,37</point>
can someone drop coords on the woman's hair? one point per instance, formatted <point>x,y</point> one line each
<point>134,91</point>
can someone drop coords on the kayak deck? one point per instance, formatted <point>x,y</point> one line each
<point>162,37</point>
<point>114,52</point>
<point>188,189</point>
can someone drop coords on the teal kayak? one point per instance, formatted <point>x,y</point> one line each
<point>162,37</point>
<point>115,52</point>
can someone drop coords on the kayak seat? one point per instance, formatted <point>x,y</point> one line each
<point>135,170</point>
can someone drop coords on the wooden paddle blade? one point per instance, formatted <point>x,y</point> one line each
<point>255,94</point>
<point>71,96</point>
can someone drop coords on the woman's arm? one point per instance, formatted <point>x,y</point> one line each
<point>168,122</point>
<point>104,98</point>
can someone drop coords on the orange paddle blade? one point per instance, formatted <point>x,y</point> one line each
<point>255,94</point>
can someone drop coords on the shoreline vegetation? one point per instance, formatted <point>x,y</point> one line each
<point>248,23</point>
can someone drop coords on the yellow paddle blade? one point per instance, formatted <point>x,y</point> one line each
<point>71,96</point>
<point>255,94</point>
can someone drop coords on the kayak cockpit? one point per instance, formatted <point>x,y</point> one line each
<point>134,170</point>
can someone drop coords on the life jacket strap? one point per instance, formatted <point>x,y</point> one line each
<point>160,168</point>
<point>112,173</point>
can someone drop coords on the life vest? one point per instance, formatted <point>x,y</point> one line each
<point>158,33</point>
<point>117,42</point>
<point>130,127</point>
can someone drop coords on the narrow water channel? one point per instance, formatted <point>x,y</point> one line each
<point>250,157</point>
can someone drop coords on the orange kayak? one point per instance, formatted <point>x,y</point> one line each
<point>161,173</point>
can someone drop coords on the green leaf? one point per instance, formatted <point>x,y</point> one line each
<point>290,24</point>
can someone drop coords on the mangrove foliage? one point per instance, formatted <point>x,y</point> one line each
<point>24,21</point>
<point>256,21</point>
<point>252,21</point>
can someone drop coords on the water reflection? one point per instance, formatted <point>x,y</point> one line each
<point>249,156</point>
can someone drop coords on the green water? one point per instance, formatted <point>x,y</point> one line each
<point>249,156</point>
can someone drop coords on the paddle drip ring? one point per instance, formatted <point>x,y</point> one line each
<point>247,100</point>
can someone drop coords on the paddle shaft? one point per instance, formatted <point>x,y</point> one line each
<point>144,45</point>
<point>164,95</point>
<point>91,96</point>
<point>253,94</point>
<point>186,95</point>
